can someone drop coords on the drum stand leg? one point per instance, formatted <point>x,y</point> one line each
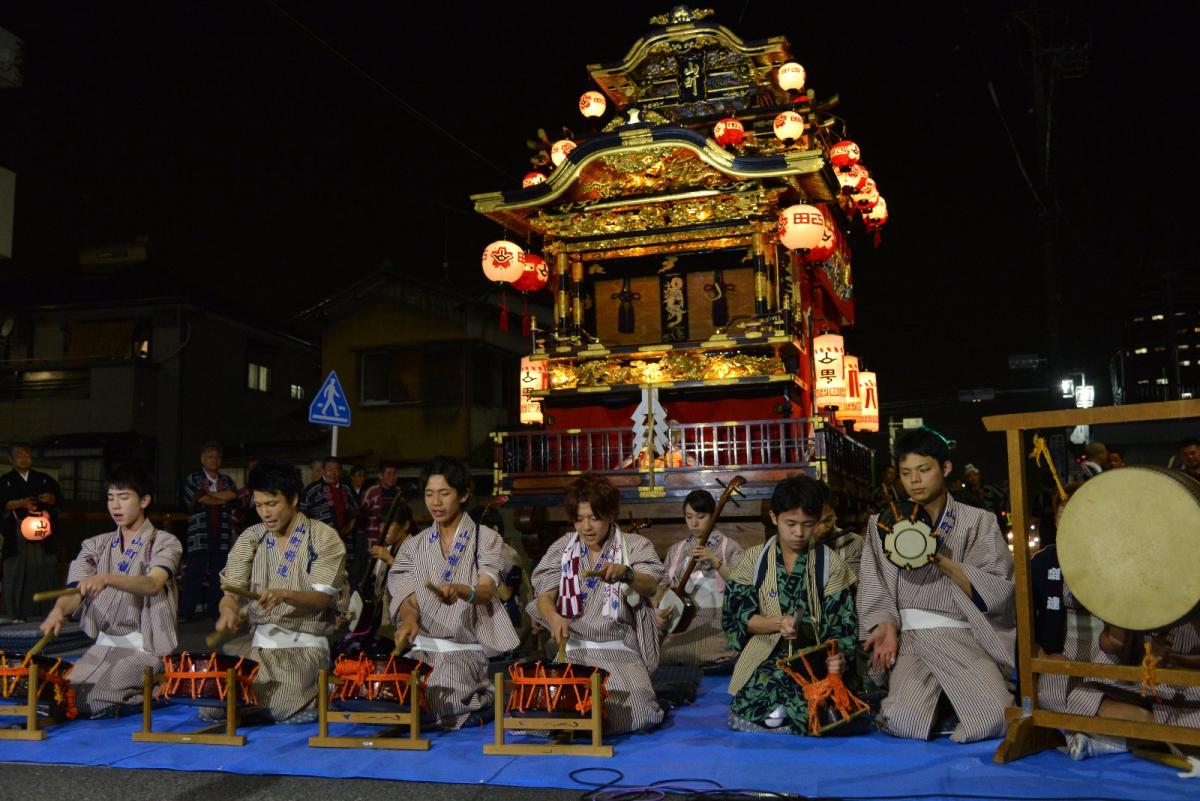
<point>390,738</point>
<point>205,736</point>
<point>34,730</point>
<point>1023,738</point>
<point>562,729</point>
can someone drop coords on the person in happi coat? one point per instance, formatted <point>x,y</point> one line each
<point>606,621</point>
<point>334,503</point>
<point>211,498</point>
<point>30,566</point>
<point>443,599</point>
<point>945,628</point>
<point>297,566</point>
<point>703,643</point>
<point>127,600</point>
<point>787,594</point>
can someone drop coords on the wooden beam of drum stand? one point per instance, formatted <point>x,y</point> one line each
<point>214,638</point>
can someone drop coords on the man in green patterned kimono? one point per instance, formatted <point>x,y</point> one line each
<point>786,594</point>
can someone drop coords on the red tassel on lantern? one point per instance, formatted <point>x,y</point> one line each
<point>503,309</point>
<point>525,322</point>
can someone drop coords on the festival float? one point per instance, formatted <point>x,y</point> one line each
<point>696,247</point>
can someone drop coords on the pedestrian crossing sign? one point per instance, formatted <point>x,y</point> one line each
<point>330,406</point>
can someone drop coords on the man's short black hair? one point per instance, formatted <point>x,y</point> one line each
<point>386,463</point>
<point>354,471</point>
<point>492,519</point>
<point>454,471</point>
<point>273,477</point>
<point>131,477</point>
<point>24,446</point>
<point>1183,443</point>
<point>701,502</point>
<point>922,442</point>
<point>399,513</point>
<point>329,459</point>
<point>802,492</point>
<point>212,445</point>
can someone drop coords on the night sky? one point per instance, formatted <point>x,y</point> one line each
<point>260,163</point>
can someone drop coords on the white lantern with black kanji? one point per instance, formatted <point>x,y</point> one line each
<point>560,150</point>
<point>801,227</point>
<point>829,377</point>
<point>592,104</point>
<point>533,377</point>
<point>852,408</point>
<point>868,420</point>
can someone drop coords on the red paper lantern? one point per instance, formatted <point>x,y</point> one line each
<point>852,178</point>
<point>866,198</point>
<point>828,244</point>
<point>801,227</point>
<point>534,273</point>
<point>729,131</point>
<point>844,154</point>
<point>36,526</point>
<point>533,179</point>
<point>877,216</point>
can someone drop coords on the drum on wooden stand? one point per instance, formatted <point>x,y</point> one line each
<point>552,688</point>
<point>832,709</point>
<point>378,682</point>
<point>54,688</point>
<point>1128,542</point>
<point>200,679</point>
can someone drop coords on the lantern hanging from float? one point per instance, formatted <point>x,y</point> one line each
<point>560,150</point>
<point>534,275</point>
<point>36,526</point>
<point>878,215</point>
<point>866,198</point>
<point>826,247</point>
<point>502,264</point>
<point>852,178</point>
<point>829,353</point>
<point>533,179</point>
<point>792,77</point>
<point>592,104</point>
<point>851,409</point>
<point>534,376</point>
<point>868,420</point>
<point>789,126</point>
<point>801,227</point>
<point>729,131</point>
<point>844,154</point>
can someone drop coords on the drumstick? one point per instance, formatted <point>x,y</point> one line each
<point>50,595</point>
<point>32,652</point>
<point>252,596</point>
<point>562,652</point>
<point>592,573</point>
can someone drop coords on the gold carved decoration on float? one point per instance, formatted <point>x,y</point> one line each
<point>649,217</point>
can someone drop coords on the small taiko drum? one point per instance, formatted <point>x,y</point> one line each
<point>907,533</point>
<point>552,688</point>
<point>200,679</point>
<point>54,688</point>
<point>1127,543</point>
<point>378,683</point>
<point>832,709</point>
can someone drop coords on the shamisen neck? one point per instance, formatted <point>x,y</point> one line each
<point>936,506</point>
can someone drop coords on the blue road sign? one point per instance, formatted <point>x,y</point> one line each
<point>329,406</point>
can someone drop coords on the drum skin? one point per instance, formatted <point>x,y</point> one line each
<point>1128,544</point>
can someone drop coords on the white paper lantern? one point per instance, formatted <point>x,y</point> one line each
<point>852,408</point>
<point>533,179</point>
<point>869,418</point>
<point>533,377</point>
<point>801,227</point>
<point>788,126</point>
<point>502,261</point>
<point>560,149</point>
<point>852,178</point>
<point>829,353</point>
<point>792,77</point>
<point>592,104</point>
<point>878,215</point>
<point>866,198</point>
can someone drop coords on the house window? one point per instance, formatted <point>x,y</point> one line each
<point>431,375</point>
<point>297,392</point>
<point>258,377</point>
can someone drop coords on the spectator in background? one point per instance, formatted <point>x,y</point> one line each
<point>889,490</point>
<point>29,565</point>
<point>1189,457</point>
<point>377,500</point>
<point>211,498</point>
<point>1115,459</point>
<point>245,514</point>
<point>1095,459</point>
<point>333,502</point>
<point>315,469</point>
<point>358,483</point>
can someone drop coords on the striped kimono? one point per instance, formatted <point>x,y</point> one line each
<point>950,642</point>
<point>704,642</point>
<point>626,647</point>
<point>456,639</point>
<point>109,674</point>
<point>289,644</point>
<point>1174,705</point>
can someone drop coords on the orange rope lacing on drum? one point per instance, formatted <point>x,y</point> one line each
<point>11,676</point>
<point>525,690</point>
<point>358,673</point>
<point>196,679</point>
<point>1149,673</point>
<point>818,692</point>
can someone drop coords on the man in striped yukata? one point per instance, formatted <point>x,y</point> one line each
<point>127,600</point>
<point>297,567</point>
<point>946,628</point>
<point>444,601</point>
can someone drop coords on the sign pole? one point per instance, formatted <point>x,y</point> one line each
<point>333,447</point>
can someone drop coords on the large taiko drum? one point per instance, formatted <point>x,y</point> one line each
<point>378,683</point>
<point>907,534</point>
<point>1128,543</point>
<point>552,688</point>
<point>199,679</point>
<point>54,688</point>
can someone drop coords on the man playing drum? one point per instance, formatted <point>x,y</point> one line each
<point>443,589</point>
<point>127,599</point>
<point>946,627</point>
<point>297,567</point>
<point>787,594</point>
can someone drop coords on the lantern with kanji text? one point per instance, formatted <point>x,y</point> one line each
<point>851,409</point>
<point>829,388</point>
<point>824,249</point>
<point>844,154</point>
<point>866,198</point>
<point>560,150</point>
<point>534,275</point>
<point>36,526</point>
<point>533,179</point>
<point>502,264</point>
<point>869,418</point>
<point>729,131</point>
<point>801,227</point>
<point>789,126</point>
<point>791,77</point>
<point>852,178</point>
<point>533,377</point>
<point>592,104</point>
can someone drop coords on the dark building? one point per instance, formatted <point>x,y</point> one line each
<point>1159,357</point>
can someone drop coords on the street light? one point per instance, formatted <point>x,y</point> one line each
<point>1085,396</point>
<point>1068,387</point>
